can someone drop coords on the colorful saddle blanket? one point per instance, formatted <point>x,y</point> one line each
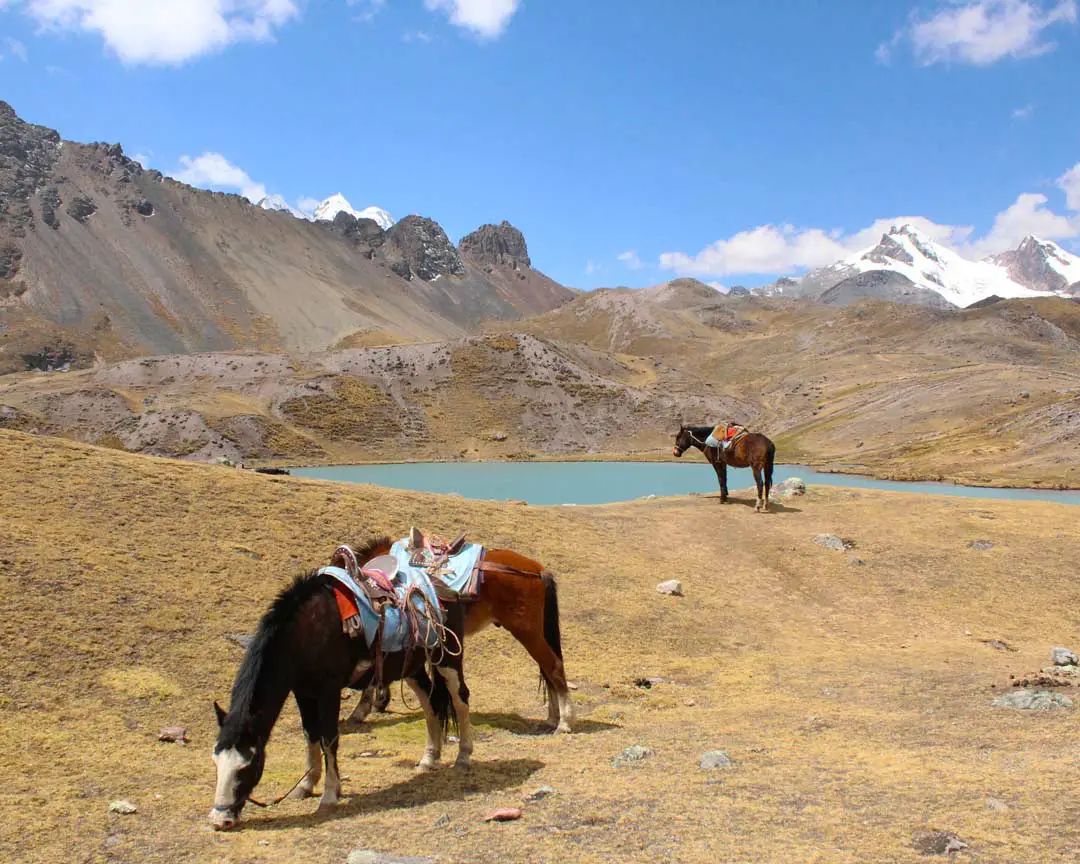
<point>454,575</point>
<point>406,624</point>
<point>726,434</point>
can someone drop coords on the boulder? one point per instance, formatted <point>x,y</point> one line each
<point>1033,700</point>
<point>790,487</point>
<point>672,587</point>
<point>1063,657</point>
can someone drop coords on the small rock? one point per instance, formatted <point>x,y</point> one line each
<point>632,754</point>
<point>790,487</point>
<point>937,842</point>
<point>368,856</point>
<point>855,561</point>
<point>504,814</point>
<point>996,804</point>
<point>647,497</point>
<point>173,734</point>
<point>980,545</point>
<point>124,808</point>
<point>442,821</point>
<point>570,685</point>
<point>1033,700</point>
<point>1063,657</point>
<point>672,587</point>
<point>690,703</point>
<point>241,639</point>
<point>538,794</point>
<point>1024,394</point>
<point>999,644</point>
<point>831,541</point>
<point>715,759</point>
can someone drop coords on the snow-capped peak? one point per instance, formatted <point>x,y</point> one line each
<point>276,202</point>
<point>338,203</point>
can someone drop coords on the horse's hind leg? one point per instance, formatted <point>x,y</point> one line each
<point>459,694</point>
<point>421,688</point>
<point>721,475</point>
<point>758,505</point>
<point>309,718</point>
<point>329,706</point>
<point>560,709</point>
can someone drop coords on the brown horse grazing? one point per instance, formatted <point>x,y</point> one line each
<point>516,593</point>
<point>751,450</point>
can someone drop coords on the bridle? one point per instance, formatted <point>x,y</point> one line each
<point>693,440</point>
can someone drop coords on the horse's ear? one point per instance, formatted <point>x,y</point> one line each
<point>221,715</point>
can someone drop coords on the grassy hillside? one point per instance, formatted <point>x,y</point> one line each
<point>853,698</point>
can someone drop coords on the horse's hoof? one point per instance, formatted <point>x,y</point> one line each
<point>462,763</point>
<point>326,806</point>
<point>563,729</point>
<point>300,793</point>
<point>424,767</point>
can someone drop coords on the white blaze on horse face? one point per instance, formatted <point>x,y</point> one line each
<point>229,764</point>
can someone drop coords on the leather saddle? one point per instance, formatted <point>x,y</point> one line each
<point>376,577</point>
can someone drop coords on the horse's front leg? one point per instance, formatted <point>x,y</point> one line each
<point>309,718</point>
<point>721,475</point>
<point>421,687</point>
<point>329,706</point>
<point>459,694</point>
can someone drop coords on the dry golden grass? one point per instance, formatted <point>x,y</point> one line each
<point>852,698</point>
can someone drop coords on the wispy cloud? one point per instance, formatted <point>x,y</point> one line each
<point>416,36</point>
<point>487,19</point>
<point>14,48</point>
<point>592,267</point>
<point>630,259</point>
<point>161,32</point>
<point>1024,112</point>
<point>983,32</point>
<point>368,9</point>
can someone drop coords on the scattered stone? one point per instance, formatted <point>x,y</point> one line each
<point>648,497</point>
<point>498,436</point>
<point>690,703</point>
<point>789,488</point>
<point>1041,680</point>
<point>1033,700</point>
<point>996,804</point>
<point>124,808</point>
<point>503,814</point>
<point>937,842</point>
<point>999,644</point>
<point>632,754</point>
<point>672,587</point>
<point>518,503</point>
<point>81,208</point>
<point>831,541</point>
<point>173,735</point>
<point>1024,394</point>
<point>1063,657</point>
<point>980,545</point>
<point>241,639</point>
<point>368,856</point>
<point>144,208</point>
<point>442,821</point>
<point>538,794</point>
<point>570,685</point>
<point>715,759</point>
<point>855,561</point>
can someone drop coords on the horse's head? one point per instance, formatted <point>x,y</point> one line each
<point>239,756</point>
<point>683,440</point>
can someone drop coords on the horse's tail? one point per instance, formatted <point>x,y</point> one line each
<point>442,703</point>
<point>770,456</point>
<point>552,634</point>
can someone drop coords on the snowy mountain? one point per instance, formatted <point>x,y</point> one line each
<point>276,202</point>
<point>1037,268</point>
<point>337,203</point>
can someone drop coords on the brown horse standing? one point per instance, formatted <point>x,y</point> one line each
<point>751,450</point>
<point>516,593</point>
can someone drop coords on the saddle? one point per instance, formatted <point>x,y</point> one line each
<point>729,432</point>
<point>433,554</point>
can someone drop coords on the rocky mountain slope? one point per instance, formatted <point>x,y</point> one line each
<point>1036,268</point>
<point>99,257</point>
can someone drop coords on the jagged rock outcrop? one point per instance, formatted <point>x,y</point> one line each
<point>883,285</point>
<point>500,245</point>
<point>419,247</point>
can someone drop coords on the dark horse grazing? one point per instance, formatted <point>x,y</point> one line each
<point>516,593</point>
<point>751,450</point>
<point>301,648</point>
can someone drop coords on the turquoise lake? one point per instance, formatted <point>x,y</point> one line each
<point>607,482</point>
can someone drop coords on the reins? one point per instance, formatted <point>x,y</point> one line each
<point>281,798</point>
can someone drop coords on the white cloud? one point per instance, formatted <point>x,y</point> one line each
<point>782,249</point>
<point>14,48</point>
<point>141,159</point>
<point>166,32</point>
<point>1027,215</point>
<point>217,172</point>
<point>592,267</point>
<point>982,32</point>
<point>416,36</point>
<point>1023,113</point>
<point>1069,183</point>
<point>486,18</point>
<point>307,205</point>
<point>368,8</point>
<point>630,259</point>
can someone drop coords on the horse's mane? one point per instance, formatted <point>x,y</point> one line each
<point>365,550</point>
<point>281,611</point>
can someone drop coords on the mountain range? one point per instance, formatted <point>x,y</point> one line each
<point>100,258</point>
<point>906,266</point>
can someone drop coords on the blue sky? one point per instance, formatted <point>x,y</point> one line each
<point>631,140</point>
